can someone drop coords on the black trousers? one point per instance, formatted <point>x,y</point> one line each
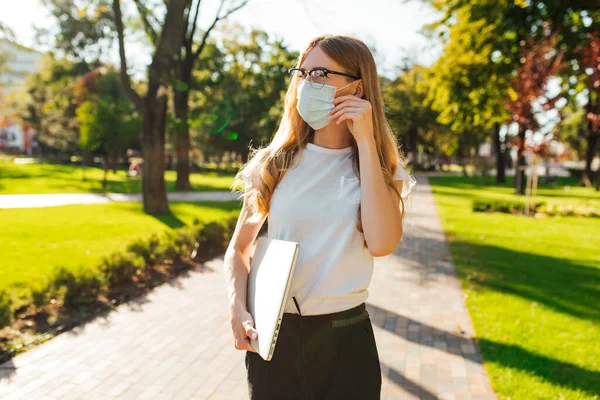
<point>319,357</point>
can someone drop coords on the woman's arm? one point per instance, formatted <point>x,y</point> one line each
<point>380,205</point>
<point>236,270</point>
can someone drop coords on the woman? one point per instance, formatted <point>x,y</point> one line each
<point>331,180</point>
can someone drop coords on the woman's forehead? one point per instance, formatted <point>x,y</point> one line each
<point>316,58</point>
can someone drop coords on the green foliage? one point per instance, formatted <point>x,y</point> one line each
<point>501,205</point>
<point>84,28</point>
<point>240,82</point>
<point>179,243</point>
<point>211,235</point>
<point>466,86</point>
<point>573,130</point>
<point>89,134</point>
<point>47,102</point>
<point>121,267</point>
<point>108,122</point>
<point>570,210</point>
<point>81,285</point>
<point>148,249</point>
<point>414,121</point>
<point>6,311</point>
<point>43,292</point>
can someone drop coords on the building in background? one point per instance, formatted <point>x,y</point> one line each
<point>17,62</point>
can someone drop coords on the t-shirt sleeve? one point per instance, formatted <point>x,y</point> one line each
<point>408,181</point>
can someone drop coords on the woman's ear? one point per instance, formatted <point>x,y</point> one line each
<point>359,92</point>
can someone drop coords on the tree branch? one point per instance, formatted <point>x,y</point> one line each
<point>167,46</point>
<point>125,78</point>
<point>143,11</point>
<point>193,29</point>
<point>217,19</point>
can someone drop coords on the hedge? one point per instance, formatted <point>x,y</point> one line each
<point>75,287</point>
<point>506,206</point>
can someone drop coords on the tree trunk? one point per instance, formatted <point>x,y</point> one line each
<point>153,149</point>
<point>592,143</point>
<point>520,174</point>
<point>460,154</point>
<point>413,138</point>
<point>182,137</point>
<point>105,167</point>
<point>153,105</point>
<point>500,155</point>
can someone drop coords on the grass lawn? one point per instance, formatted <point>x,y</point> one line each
<point>533,288</point>
<point>57,178</point>
<point>35,240</point>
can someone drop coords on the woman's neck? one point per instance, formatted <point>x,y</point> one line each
<point>333,136</point>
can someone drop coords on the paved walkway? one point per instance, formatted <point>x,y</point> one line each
<point>50,200</point>
<point>176,343</point>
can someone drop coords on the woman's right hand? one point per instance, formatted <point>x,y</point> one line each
<point>242,325</point>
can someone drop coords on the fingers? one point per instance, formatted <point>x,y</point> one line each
<point>345,116</point>
<point>249,330</point>
<point>244,344</point>
<point>242,334</point>
<point>353,103</point>
<point>345,110</point>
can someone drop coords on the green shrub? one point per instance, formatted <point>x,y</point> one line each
<point>81,285</point>
<point>121,267</point>
<point>6,311</point>
<point>567,210</point>
<point>213,235</point>
<point>43,293</point>
<point>576,172</point>
<point>148,249</point>
<point>506,206</point>
<point>230,224</point>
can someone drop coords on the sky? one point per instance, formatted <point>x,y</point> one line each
<point>390,26</point>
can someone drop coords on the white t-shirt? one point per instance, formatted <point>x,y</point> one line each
<point>316,204</point>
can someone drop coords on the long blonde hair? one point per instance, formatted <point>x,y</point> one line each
<point>268,164</point>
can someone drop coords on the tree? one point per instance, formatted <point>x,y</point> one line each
<point>572,129</point>
<point>509,24</point>
<point>192,45</point>
<point>539,62</point>
<point>108,122</point>
<point>186,60</point>
<point>83,29</point>
<point>152,104</point>
<point>46,102</point>
<point>466,87</point>
<point>506,24</point>
<point>589,57</point>
<point>238,90</point>
<point>414,122</point>
<point>5,34</point>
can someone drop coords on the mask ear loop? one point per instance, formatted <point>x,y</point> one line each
<point>344,87</point>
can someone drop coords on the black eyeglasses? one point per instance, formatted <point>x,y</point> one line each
<point>317,76</point>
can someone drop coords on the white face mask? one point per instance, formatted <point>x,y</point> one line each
<point>314,104</point>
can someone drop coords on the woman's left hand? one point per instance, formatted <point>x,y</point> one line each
<point>357,113</point>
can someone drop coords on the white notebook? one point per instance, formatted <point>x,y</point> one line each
<point>272,268</point>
